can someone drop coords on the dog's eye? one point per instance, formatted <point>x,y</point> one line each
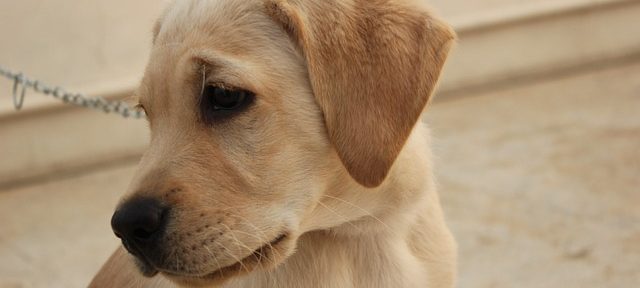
<point>224,99</point>
<point>219,102</point>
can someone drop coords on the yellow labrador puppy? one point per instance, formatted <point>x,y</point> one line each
<point>286,149</point>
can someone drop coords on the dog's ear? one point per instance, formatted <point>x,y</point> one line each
<point>373,65</point>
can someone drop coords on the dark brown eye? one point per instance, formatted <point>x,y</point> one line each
<point>219,102</point>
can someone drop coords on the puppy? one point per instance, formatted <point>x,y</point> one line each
<point>286,149</point>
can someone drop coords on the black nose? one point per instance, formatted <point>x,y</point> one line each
<point>138,222</point>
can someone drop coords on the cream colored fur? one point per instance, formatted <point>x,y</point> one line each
<point>352,189</point>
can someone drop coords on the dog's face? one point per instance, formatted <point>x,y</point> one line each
<point>259,108</point>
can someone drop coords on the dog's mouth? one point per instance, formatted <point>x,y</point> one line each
<point>263,254</point>
<point>245,264</point>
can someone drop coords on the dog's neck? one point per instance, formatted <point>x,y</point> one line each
<point>346,207</point>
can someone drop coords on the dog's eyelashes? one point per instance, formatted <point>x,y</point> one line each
<point>219,102</point>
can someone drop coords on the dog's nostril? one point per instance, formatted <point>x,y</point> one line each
<point>138,221</point>
<point>142,234</point>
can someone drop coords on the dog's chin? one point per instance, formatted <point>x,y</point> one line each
<point>145,268</point>
<point>266,257</point>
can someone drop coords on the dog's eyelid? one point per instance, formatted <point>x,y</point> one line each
<point>139,106</point>
<point>214,70</point>
<point>225,86</point>
<point>208,62</point>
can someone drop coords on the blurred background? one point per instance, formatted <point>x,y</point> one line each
<point>536,129</point>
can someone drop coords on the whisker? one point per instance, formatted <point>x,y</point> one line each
<point>339,215</point>
<point>236,238</point>
<point>233,256</point>
<point>258,230</point>
<point>204,79</point>
<point>361,209</point>
<point>237,260</point>
<point>253,251</point>
<point>218,244</point>
<point>178,263</point>
<point>215,259</point>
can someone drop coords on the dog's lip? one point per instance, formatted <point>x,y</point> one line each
<point>256,253</point>
<point>144,264</point>
<point>220,272</point>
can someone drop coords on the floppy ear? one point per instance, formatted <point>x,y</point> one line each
<point>373,65</point>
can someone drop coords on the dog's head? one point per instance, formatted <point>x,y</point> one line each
<point>258,109</point>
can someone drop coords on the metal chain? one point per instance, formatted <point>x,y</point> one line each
<point>21,83</point>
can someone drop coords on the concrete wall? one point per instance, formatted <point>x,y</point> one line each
<point>84,45</point>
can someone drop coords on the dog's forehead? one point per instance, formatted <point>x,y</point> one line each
<point>235,31</point>
<point>222,20</point>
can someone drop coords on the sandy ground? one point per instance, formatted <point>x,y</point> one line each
<point>541,186</point>
<point>541,183</point>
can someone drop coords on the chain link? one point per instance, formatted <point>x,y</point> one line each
<point>21,83</point>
